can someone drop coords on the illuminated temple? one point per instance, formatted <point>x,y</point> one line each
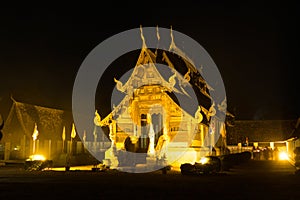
<point>149,122</point>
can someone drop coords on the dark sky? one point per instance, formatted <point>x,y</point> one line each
<point>255,46</point>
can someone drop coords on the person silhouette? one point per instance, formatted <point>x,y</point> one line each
<point>266,153</point>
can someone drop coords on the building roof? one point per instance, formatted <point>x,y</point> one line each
<point>145,72</point>
<point>23,117</point>
<point>295,134</point>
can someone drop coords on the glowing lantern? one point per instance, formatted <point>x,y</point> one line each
<point>283,156</point>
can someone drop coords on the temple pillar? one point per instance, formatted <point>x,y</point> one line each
<point>189,128</point>
<point>111,159</point>
<point>202,133</point>
<point>151,150</point>
<point>47,149</point>
<point>7,150</point>
<point>23,147</point>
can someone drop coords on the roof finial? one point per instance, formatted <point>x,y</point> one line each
<point>157,33</point>
<point>12,98</point>
<point>142,37</point>
<point>119,85</point>
<point>172,45</point>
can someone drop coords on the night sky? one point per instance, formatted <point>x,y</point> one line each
<point>255,46</point>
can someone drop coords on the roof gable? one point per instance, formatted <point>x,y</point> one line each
<point>23,117</point>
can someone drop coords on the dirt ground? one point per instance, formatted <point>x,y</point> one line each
<point>251,180</point>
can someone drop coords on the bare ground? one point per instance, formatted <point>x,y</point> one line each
<point>251,180</point>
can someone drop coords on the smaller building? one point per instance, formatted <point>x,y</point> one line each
<point>31,129</point>
<point>261,133</point>
<point>293,143</point>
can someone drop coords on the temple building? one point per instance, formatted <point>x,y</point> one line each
<point>150,123</point>
<point>31,129</point>
<point>166,116</point>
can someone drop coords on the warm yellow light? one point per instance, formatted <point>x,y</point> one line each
<point>283,156</point>
<point>35,132</point>
<point>73,133</point>
<point>204,160</point>
<point>36,157</point>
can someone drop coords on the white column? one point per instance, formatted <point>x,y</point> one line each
<point>151,151</point>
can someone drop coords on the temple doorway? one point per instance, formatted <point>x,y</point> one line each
<point>157,122</point>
